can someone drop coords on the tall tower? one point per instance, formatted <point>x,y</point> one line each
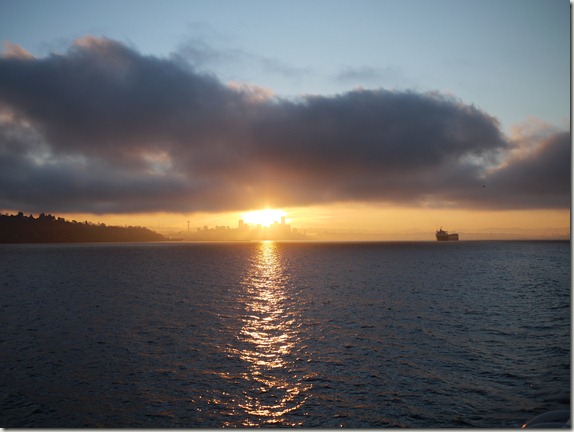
<point>282,220</point>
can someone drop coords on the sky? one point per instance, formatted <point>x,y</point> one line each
<point>389,115</point>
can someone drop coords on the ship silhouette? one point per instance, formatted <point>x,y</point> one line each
<point>442,235</point>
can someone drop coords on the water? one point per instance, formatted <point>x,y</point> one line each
<point>467,334</point>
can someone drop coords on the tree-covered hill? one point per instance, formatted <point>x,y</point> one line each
<point>49,229</point>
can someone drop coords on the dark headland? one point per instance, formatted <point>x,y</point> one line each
<point>47,228</point>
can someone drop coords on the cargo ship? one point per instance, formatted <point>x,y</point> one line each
<point>442,235</point>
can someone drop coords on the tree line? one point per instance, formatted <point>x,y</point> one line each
<point>47,228</point>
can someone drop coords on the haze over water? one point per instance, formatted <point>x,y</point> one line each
<point>414,334</point>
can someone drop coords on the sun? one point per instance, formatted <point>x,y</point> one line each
<point>265,217</point>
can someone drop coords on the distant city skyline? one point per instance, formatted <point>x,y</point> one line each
<point>278,230</point>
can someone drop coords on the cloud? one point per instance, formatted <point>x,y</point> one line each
<point>350,74</point>
<point>103,128</point>
<point>205,56</point>
<point>542,175</point>
<point>15,51</point>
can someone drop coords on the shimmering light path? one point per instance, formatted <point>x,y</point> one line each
<point>267,343</point>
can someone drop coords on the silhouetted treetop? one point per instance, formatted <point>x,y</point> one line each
<point>46,228</point>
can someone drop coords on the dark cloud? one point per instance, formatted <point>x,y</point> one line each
<point>541,175</point>
<point>103,128</point>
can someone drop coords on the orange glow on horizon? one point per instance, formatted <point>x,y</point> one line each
<point>384,221</point>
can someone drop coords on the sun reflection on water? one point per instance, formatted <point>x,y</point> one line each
<point>268,344</point>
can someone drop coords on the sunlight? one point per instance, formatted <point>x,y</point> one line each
<point>265,217</point>
<point>270,344</point>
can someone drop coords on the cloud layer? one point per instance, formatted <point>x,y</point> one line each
<point>102,128</point>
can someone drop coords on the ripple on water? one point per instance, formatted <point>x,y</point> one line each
<point>262,334</point>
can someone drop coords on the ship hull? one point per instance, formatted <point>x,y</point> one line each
<point>448,237</point>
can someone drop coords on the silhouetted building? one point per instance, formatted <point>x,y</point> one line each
<point>243,232</point>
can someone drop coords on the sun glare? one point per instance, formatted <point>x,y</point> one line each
<point>264,217</point>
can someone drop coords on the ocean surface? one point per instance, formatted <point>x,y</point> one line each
<point>414,334</point>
